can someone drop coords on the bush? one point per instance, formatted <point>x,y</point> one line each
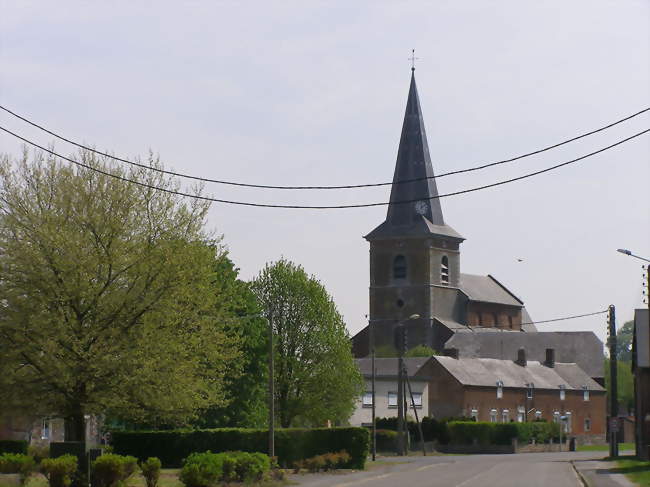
<point>17,463</point>
<point>483,433</point>
<point>109,470</point>
<point>13,446</point>
<point>539,431</point>
<point>59,471</point>
<point>326,462</point>
<point>151,471</point>
<point>206,469</point>
<point>291,445</point>
<point>386,440</point>
<point>39,452</point>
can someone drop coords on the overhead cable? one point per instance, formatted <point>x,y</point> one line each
<point>334,207</point>
<point>565,318</point>
<point>347,186</point>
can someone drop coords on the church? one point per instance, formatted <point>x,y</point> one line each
<point>416,278</point>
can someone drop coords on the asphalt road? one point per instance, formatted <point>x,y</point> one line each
<point>518,470</point>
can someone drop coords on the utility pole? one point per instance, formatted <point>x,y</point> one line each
<point>415,411</point>
<point>371,325</point>
<point>400,342</point>
<point>271,390</point>
<point>613,384</point>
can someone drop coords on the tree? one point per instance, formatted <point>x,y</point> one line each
<point>420,351</point>
<point>624,342</point>
<point>316,378</point>
<point>246,385</point>
<point>625,383</point>
<point>107,300</point>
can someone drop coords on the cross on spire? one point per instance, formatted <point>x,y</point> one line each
<point>413,59</point>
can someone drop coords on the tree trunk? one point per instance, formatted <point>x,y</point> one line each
<point>75,425</point>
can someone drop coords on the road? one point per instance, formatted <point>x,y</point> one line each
<point>518,470</point>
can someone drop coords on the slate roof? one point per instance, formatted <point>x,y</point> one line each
<point>387,367</point>
<point>413,163</point>
<point>488,290</point>
<point>580,347</point>
<point>486,372</point>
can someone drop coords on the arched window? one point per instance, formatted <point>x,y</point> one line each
<point>399,267</point>
<point>444,271</point>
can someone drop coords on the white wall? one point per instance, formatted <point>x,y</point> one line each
<point>363,415</point>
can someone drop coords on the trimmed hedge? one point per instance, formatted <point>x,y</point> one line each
<point>291,444</point>
<point>484,433</point>
<point>386,440</point>
<point>13,446</point>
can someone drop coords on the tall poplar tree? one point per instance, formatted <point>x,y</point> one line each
<point>316,378</point>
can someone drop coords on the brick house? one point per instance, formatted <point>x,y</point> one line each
<point>641,371</point>
<point>494,390</point>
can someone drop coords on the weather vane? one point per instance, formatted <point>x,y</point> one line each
<point>412,59</point>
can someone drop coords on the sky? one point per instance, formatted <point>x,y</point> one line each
<point>313,93</point>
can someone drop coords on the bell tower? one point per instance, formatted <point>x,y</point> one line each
<point>414,255</point>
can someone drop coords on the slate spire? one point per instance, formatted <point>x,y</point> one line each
<point>423,215</point>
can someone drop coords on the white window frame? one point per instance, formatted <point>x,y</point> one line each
<point>46,429</point>
<point>493,416</point>
<point>556,416</point>
<point>568,423</point>
<point>392,400</point>
<point>499,389</point>
<point>474,414</point>
<point>538,414</point>
<point>562,393</point>
<point>530,390</point>
<point>587,424</point>
<point>366,400</point>
<point>505,416</point>
<point>585,393</point>
<point>417,399</point>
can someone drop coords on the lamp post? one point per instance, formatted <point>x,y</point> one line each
<point>371,330</point>
<point>401,345</point>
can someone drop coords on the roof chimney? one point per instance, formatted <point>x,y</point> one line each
<point>450,352</point>
<point>521,357</point>
<point>550,357</point>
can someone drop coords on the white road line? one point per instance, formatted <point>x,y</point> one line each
<point>432,465</point>
<point>363,481</point>
<point>476,476</point>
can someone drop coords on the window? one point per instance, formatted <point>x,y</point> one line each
<point>505,416</point>
<point>499,389</point>
<point>392,399</point>
<point>474,414</point>
<point>495,318</point>
<point>521,414</point>
<point>367,400</point>
<point>45,429</point>
<point>417,399</point>
<point>585,393</point>
<point>399,267</point>
<point>510,322</point>
<point>562,393</point>
<point>529,390</point>
<point>538,414</point>
<point>587,424</point>
<point>556,416</point>
<point>444,270</point>
<point>567,422</point>
<point>493,415</point>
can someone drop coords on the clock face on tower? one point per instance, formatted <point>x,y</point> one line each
<point>420,207</point>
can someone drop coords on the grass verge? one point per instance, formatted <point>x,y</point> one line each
<point>621,446</point>
<point>636,470</point>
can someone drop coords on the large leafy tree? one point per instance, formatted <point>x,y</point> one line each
<point>316,378</point>
<point>106,295</point>
<point>624,342</point>
<point>625,383</point>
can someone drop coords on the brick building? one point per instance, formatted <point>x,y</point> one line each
<point>494,390</point>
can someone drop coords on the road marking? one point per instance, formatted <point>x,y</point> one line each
<point>476,476</point>
<point>363,481</point>
<point>432,465</point>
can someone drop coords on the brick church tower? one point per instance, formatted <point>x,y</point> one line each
<point>414,255</point>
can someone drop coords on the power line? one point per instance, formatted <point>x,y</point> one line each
<point>349,186</point>
<point>565,318</point>
<point>334,207</point>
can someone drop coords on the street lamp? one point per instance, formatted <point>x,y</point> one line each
<point>401,413</point>
<point>629,252</point>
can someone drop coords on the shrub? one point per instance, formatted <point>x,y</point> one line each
<point>202,469</point>
<point>483,433</point>
<point>17,463</point>
<point>151,471</point>
<point>315,464</point>
<point>59,471</point>
<point>386,440</point>
<point>13,446</point>
<point>109,470</point>
<point>39,452</point>
<point>291,444</point>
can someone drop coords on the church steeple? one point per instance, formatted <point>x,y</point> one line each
<point>414,208</point>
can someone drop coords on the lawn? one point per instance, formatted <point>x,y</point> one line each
<point>636,470</point>
<point>621,447</point>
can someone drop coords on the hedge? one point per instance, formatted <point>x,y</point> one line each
<point>386,440</point>
<point>291,444</point>
<point>465,433</point>
<point>13,446</point>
